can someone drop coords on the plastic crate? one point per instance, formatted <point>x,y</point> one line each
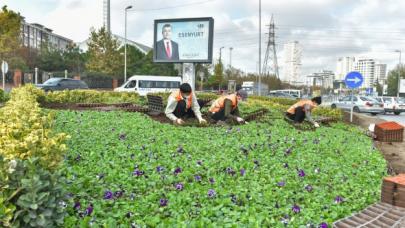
<point>389,132</point>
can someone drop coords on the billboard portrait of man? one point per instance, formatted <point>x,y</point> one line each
<point>166,49</point>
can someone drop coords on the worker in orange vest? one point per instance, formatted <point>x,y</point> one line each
<point>183,104</point>
<point>302,109</point>
<point>226,107</point>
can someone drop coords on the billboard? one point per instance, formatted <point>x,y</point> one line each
<point>186,40</point>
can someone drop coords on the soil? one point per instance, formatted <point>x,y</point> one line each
<point>157,116</point>
<point>394,152</point>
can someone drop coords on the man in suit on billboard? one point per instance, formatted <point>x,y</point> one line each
<point>166,49</point>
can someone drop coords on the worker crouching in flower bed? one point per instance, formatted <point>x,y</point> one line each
<point>302,109</point>
<point>183,104</point>
<point>226,107</point>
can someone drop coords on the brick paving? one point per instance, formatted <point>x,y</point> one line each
<point>379,215</point>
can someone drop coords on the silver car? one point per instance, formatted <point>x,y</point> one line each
<point>393,104</point>
<point>360,104</point>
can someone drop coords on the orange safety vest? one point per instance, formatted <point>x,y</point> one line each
<point>301,103</point>
<point>178,97</point>
<point>220,103</point>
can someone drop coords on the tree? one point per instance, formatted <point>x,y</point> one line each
<point>219,74</point>
<point>103,53</point>
<point>392,80</point>
<point>74,59</point>
<point>10,24</point>
<point>50,59</point>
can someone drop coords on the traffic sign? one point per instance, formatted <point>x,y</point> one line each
<point>353,80</point>
<point>369,91</point>
<point>4,67</point>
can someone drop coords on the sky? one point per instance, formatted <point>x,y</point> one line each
<point>326,29</point>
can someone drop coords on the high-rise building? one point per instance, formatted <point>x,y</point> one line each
<point>34,35</point>
<point>344,66</point>
<point>322,79</point>
<point>380,73</point>
<point>292,63</point>
<point>366,67</point>
<point>107,15</point>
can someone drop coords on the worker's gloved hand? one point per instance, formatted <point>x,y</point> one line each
<point>203,121</point>
<point>240,120</point>
<point>316,124</point>
<point>178,122</point>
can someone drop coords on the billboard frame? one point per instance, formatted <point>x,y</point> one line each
<point>210,39</point>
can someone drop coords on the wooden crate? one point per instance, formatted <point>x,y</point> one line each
<point>389,132</point>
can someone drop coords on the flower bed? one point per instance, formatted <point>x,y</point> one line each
<point>123,169</point>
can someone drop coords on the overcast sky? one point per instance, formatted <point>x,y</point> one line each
<point>327,29</point>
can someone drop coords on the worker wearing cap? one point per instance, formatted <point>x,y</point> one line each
<point>302,109</point>
<point>183,104</point>
<point>226,107</point>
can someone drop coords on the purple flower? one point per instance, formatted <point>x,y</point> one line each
<point>123,136</point>
<point>301,173</point>
<point>256,162</point>
<point>118,194</point>
<point>339,199</point>
<point>281,184</point>
<point>179,186</point>
<point>132,196</point>
<point>177,171</point>
<point>197,178</point>
<point>163,202</point>
<point>89,210</point>
<point>76,206</point>
<point>129,214</point>
<point>296,208</point>
<point>242,172</point>
<point>211,193</point>
<point>230,171</point>
<point>323,225</point>
<point>285,219</point>
<point>159,169</point>
<point>199,162</point>
<point>138,172</point>
<point>308,188</point>
<point>108,195</point>
<point>212,180</point>
<point>285,165</point>
<point>180,149</point>
<point>287,151</point>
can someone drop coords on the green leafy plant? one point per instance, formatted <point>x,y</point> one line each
<point>31,195</point>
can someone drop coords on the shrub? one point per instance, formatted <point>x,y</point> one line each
<point>30,195</point>
<point>25,131</point>
<point>90,96</point>
<point>3,96</point>
<point>336,114</point>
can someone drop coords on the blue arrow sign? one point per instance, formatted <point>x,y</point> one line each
<point>353,80</point>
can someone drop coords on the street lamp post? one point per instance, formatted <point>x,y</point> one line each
<point>230,57</point>
<point>399,72</point>
<point>220,54</point>
<point>125,44</point>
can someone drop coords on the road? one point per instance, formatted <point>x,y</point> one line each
<point>391,117</point>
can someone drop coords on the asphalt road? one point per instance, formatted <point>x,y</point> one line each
<point>391,117</point>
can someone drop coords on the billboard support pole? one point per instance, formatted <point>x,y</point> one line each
<point>189,74</point>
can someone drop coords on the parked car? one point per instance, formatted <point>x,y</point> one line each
<point>393,104</point>
<point>54,84</point>
<point>281,94</point>
<point>360,104</point>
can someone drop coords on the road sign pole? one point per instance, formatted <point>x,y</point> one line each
<point>351,110</point>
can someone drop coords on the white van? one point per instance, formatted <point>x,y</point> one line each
<point>150,84</point>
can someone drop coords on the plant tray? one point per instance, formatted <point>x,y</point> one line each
<point>389,132</point>
<point>393,190</point>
